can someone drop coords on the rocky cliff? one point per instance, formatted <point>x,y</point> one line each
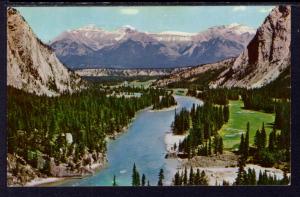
<point>31,65</point>
<point>266,56</point>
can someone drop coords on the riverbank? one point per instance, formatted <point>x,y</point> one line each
<point>171,139</point>
<point>40,181</point>
<point>219,168</point>
<point>216,175</point>
<point>49,181</point>
<point>91,169</point>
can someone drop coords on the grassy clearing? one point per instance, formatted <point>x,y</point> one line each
<point>180,91</point>
<point>139,84</point>
<point>231,132</point>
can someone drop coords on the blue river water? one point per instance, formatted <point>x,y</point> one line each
<point>142,144</point>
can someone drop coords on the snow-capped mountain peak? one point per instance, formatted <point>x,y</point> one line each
<point>241,29</point>
<point>168,48</point>
<point>126,29</point>
<point>233,27</point>
<point>90,27</point>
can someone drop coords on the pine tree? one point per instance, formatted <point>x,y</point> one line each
<point>177,179</point>
<point>242,145</point>
<point>272,140</point>
<point>138,181</point>
<point>185,176</point>
<point>246,143</point>
<point>160,177</point>
<point>191,178</point>
<point>114,181</point>
<point>143,180</point>
<point>134,180</point>
<point>257,139</point>
<point>221,146</point>
<point>240,179</point>
<point>203,179</point>
<point>135,176</point>
<point>197,178</point>
<point>209,146</point>
<point>263,136</point>
<point>260,178</point>
<point>226,113</point>
<point>225,183</point>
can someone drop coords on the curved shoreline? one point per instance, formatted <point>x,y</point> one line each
<point>95,167</point>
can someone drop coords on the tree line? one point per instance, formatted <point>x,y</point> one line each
<point>266,151</point>
<point>163,100</point>
<point>192,178</point>
<point>220,96</point>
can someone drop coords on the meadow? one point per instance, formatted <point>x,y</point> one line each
<point>232,131</point>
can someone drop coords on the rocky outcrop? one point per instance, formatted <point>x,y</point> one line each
<point>85,166</point>
<point>19,172</point>
<point>266,56</point>
<point>192,73</point>
<point>31,65</point>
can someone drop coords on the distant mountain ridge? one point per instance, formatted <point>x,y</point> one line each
<point>91,47</point>
<point>100,72</point>
<point>31,65</point>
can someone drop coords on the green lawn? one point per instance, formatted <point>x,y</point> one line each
<point>231,132</point>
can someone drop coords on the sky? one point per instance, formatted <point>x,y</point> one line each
<point>49,22</point>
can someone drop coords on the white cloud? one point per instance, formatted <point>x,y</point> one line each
<point>239,8</point>
<point>265,10</point>
<point>129,11</point>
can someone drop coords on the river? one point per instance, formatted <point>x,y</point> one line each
<point>142,144</point>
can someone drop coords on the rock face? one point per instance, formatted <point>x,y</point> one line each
<point>31,65</point>
<point>266,56</point>
<point>19,172</point>
<point>91,47</point>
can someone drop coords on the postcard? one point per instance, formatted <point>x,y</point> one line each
<point>185,95</point>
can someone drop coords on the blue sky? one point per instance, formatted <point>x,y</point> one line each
<point>49,22</point>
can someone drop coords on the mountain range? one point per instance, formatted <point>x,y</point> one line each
<point>266,57</point>
<point>34,67</point>
<point>92,47</point>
